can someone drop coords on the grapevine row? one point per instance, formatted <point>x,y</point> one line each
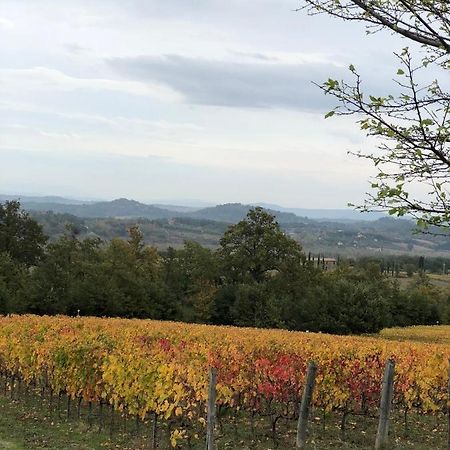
<point>161,368</point>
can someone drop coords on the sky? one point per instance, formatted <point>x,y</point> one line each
<point>182,99</point>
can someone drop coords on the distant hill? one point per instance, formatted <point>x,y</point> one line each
<point>124,208</point>
<point>117,208</point>
<point>49,199</point>
<point>172,225</point>
<point>379,238</point>
<point>234,212</point>
<point>229,212</point>
<point>162,233</point>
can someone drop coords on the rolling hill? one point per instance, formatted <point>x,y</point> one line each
<point>116,208</point>
<point>165,227</point>
<point>125,208</point>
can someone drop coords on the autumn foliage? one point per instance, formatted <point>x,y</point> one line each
<point>150,367</point>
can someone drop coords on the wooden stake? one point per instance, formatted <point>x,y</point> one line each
<point>111,422</point>
<point>59,404</point>
<point>211,417</point>
<point>137,425</point>
<point>305,405</point>
<point>89,417</point>
<point>12,386</point>
<point>100,415</point>
<point>387,393</point>
<point>50,404</point>
<point>154,432</point>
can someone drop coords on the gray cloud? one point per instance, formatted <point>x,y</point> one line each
<point>233,84</point>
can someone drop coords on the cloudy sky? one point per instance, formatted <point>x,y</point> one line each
<point>182,99</point>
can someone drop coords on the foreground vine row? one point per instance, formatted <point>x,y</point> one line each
<point>161,368</point>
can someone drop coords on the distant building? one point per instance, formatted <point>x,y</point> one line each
<point>326,264</point>
<point>329,264</point>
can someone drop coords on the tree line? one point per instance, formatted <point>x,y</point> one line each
<point>259,276</point>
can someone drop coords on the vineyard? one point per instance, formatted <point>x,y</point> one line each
<point>158,371</point>
<point>433,334</point>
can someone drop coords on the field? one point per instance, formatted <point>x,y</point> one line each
<point>29,424</point>
<point>440,280</point>
<point>122,373</point>
<point>431,334</point>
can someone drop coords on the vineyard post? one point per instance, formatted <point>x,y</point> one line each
<point>154,431</point>
<point>100,415</point>
<point>305,405</point>
<point>59,405</point>
<point>136,427</point>
<point>211,415</point>
<point>50,403</point>
<point>387,393</point>
<point>12,385</point>
<point>5,386</point>
<point>89,417</point>
<point>111,421</point>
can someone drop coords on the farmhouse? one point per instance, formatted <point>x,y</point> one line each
<point>329,264</point>
<point>326,264</point>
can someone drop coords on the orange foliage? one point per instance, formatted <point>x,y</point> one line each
<point>162,367</point>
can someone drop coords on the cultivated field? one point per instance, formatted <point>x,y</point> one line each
<point>158,372</point>
<point>438,334</point>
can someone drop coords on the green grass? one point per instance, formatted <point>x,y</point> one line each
<point>424,434</point>
<point>28,424</point>
<point>433,334</point>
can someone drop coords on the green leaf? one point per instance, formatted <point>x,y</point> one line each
<point>426,122</point>
<point>329,114</point>
<point>331,84</point>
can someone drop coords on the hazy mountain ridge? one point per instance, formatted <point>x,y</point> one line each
<point>115,208</point>
<point>43,200</point>
<point>234,212</point>
<point>163,226</point>
<point>229,213</point>
<point>383,236</point>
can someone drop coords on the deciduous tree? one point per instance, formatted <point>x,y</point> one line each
<point>20,236</point>
<point>412,121</point>
<point>256,248</point>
